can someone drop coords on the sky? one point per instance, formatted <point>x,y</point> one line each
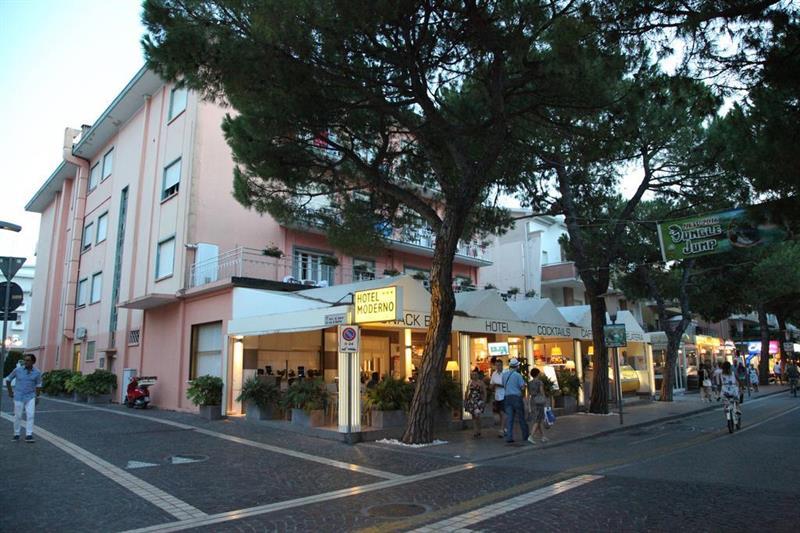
<point>62,63</point>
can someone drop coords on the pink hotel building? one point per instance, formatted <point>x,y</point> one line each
<point>142,245</point>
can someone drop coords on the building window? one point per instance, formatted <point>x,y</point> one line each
<point>363,269</point>
<point>87,236</point>
<point>206,353</point>
<point>102,228</point>
<point>310,266</point>
<point>172,180</point>
<point>90,351</point>
<point>94,176</point>
<point>165,258</point>
<point>82,285</point>
<point>544,257</point>
<point>108,163</point>
<point>177,101</point>
<point>97,287</point>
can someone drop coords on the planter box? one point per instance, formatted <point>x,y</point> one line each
<point>568,403</point>
<point>388,419</point>
<point>99,398</point>
<point>211,412</point>
<point>254,412</point>
<point>311,419</point>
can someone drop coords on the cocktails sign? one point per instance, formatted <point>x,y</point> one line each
<point>718,232</point>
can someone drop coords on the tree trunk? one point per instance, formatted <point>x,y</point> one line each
<point>419,428</point>
<point>599,399</point>
<point>668,375</point>
<point>763,363</point>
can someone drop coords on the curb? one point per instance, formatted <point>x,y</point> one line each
<point>619,429</point>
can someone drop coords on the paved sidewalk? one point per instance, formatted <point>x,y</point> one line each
<point>461,445</point>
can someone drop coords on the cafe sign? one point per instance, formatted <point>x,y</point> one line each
<point>378,305</point>
<point>719,232</point>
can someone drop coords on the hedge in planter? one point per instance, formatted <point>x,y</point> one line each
<point>260,397</point>
<point>390,400</point>
<point>448,399</point>
<point>206,393</point>
<point>307,399</point>
<point>54,382</point>
<point>98,386</point>
<point>75,385</point>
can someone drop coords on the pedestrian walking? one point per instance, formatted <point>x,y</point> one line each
<point>754,377</point>
<point>25,393</point>
<point>498,405</point>
<point>777,371</point>
<point>538,400</point>
<point>514,384</point>
<point>716,380</point>
<point>475,401</point>
<point>741,378</point>
<point>704,378</point>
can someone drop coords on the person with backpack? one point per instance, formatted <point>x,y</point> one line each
<point>538,399</point>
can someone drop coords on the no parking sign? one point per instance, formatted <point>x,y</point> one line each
<point>349,337</point>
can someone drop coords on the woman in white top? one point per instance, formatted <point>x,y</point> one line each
<point>730,390</point>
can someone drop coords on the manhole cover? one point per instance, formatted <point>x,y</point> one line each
<point>396,510</point>
<point>184,459</point>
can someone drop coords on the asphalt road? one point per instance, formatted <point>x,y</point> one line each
<point>86,473</point>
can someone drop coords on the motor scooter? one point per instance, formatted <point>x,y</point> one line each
<point>138,391</point>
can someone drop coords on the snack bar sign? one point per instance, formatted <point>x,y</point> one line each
<point>719,232</point>
<point>378,305</point>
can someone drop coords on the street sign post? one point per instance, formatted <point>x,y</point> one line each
<point>9,266</point>
<point>616,338</point>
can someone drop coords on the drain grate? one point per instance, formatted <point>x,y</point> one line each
<point>396,510</point>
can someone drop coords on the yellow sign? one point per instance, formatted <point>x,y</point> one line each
<point>378,305</point>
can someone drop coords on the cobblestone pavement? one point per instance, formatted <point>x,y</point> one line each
<point>653,478</point>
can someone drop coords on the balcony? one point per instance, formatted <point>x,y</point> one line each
<point>563,274</point>
<point>421,241</point>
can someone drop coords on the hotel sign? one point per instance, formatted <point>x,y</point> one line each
<point>378,305</point>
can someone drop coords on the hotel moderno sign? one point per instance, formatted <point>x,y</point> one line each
<point>378,305</point>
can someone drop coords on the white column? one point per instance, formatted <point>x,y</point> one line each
<point>464,367</point>
<point>648,348</point>
<point>407,353</point>
<point>349,392</point>
<point>529,352</point>
<point>579,370</point>
<point>237,369</point>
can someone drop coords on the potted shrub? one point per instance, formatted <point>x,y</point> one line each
<point>569,385</point>
<point>206,393</point>
<point>391,272</point>
<point>99,385</point>
<point>489,286</point>
<point>75,386</point>
<point>273,251</point>
<point>448,399</point>
<point>259,397</point>
<point>530,294</point>
<point>512,292</point>
<point>389,401</point>
<point>54,382</point>
<point>307,399</point>
<point>420,276</point>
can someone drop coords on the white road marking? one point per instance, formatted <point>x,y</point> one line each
<point>138,464</point>
<point>150,493</point>
<point>255,444</point>
<point>289,504</point>
<point>462,522</point>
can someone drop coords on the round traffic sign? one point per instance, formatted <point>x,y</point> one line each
<point>15,299</point>
<point>349,334</point>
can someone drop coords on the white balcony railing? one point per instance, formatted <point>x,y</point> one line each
<point>425,237</point>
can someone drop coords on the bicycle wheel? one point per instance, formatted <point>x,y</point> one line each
<point>730,422</point>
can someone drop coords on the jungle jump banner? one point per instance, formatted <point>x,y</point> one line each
<point>719,232</point>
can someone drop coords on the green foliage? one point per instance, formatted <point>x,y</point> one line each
<point>568,382</point>
<point>260,392</point>
<point>530,294</point>
<point>54,382</point>
<point>75,383</point>
<point>98,382</point>
<point>489,286</point>
<point>547,384</point>
<point>273,251</point>
<point>11,361</point>
<point>390,394</point>
<point>513,291</point>
<point>448,394</point>
<point>391,272</point>
<point>306,394</point>
<point>205,390</point>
